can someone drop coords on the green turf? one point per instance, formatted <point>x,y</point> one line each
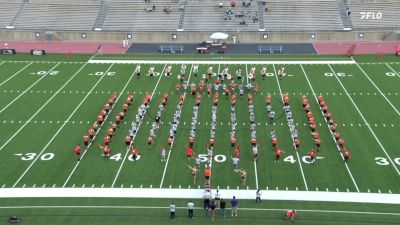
<point>38,134</point>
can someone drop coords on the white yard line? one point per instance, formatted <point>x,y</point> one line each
<point>62,126</point>
<point>214,62</point>
<point>294,147</point>
<point>394,71</point>
<point>40,109</point>
<point>175,193</point>
<point>379,90</point>
<point>98,130</point>
<point>137,131</point>
<point>332,135</point>
<point>15,74</point>
<point>22,93</point>
<point>254,162</point>
<point>172,145</point>
<point>197,208</point>
<point>366,122</point>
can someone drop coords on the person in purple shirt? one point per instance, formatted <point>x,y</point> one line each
<point>234,205</point>
<point>213,209</point>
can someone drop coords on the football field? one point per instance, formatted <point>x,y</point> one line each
<point>47,106</point>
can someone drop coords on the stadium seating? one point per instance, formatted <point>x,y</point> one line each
<point>390,14</point>
<point>206,15</point>
<point>136,15</point>
<point>198,15</point>
<point>8,12</point>
<point>57,16</point>
<point>304,15</point>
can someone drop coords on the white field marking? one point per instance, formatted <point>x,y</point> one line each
<point>173,141</point>
<point>294,146</point>
<point>394,71</point>
<point>137,131</point>
<point>59,130</point>
<point>330,131</point>
<point>197,208</point>
<point>379,90</point>
<point>15,74</point>
<point>42,62</point>
<point>77,192</point>
<point>40,109</point>
<point>26,90</point>
<point>254,162</point>
<point>221,62</point>
<point>366,122</point>
<point>109,113</point>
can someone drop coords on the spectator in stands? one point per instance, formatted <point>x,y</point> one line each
<point>233,3</point>
<point>267,10</point>
<point>154,7</point>
<point>167,10</point>
<point>348,11</point>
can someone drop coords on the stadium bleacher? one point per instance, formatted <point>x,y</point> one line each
<point>207,15</point>
<point>57,16</point>
<point>8,12</point>
<point>196,15</point>
<point>305,15</point>
<point>136,15</point>
<point>389,10</point>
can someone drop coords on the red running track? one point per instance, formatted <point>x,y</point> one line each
<point>65,47</point>
<point>342,48</point>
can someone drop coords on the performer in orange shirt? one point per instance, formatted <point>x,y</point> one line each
<point>128,140</point>
<point>77,150</point>
<point>85,140</point>
<point>313,155</point>
<point>106,140</point>
<point>278,153</point>
<point>346,155</point>
<point>189,152</point>
<point>149,142</point>
<point>91,133</point>
<point>106,151</point>
<point>290,214</point>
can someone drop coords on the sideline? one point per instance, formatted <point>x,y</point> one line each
<point>197,208</point>
<point>216,62</point>
<point>197,194</point>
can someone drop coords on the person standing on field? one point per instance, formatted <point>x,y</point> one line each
<point>234,205</point>
<point>258,196</point>
<point>172,210</point>
<point>222,205</point>
<point>190,207</point>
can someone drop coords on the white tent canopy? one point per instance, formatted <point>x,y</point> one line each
<point>219,36</point>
